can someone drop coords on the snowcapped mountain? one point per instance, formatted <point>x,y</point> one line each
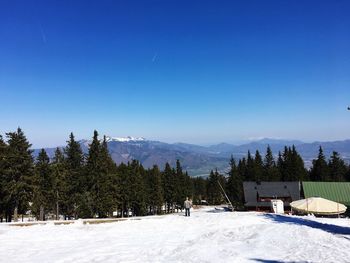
<point>124,139</point>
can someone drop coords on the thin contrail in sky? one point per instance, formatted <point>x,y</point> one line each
<point>154,57</point>
<point>43,36</point>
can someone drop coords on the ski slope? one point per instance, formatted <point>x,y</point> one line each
<point>206,236</point>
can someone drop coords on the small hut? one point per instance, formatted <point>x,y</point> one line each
<point>258,195</point>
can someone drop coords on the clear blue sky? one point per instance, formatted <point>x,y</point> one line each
<point>191,71</point>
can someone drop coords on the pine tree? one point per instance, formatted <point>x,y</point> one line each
<point>180,185</point>
<point>132,190</point>
<point>319,170</point>
<point>74,162</point>
<point>169,187</point>
<point>19,173</point>
<point>280,167</point>
<point>286,172</point>
<point>242,169</point>
<point>154,189</point>
<point>199,189</point>
<point>347,176</point>
<point>337,168</point>
<point>3,188</point>
<point>250,171</point>
<point>291,165</point>
<point>215,195</point>
<point>124,186</point>
<point>189,187</point>
<point>298,170</point>
<point>108,165</point>
<point>100,181</point>
<point>108,181</point>
<point>258,167</point>
<point>270,169</point>
<point>137,187</point>
<point>44,200</point>
<point>59,174</point>
<point>89,206</point>
<point>234,185</point>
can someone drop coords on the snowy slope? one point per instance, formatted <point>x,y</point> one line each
<point>203,237</point>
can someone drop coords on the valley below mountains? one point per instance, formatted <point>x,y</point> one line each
<point>199,160</point>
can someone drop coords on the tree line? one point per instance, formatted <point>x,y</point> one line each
<point>77,185</point>
<point>288,166</point>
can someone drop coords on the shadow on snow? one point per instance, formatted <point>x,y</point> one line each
<point>333,229</point>
<point>274,261</point>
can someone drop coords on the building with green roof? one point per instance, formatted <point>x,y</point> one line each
<point>335,191</point>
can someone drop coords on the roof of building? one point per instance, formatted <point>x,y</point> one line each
<point>270,190</point>
<point>335,191</point>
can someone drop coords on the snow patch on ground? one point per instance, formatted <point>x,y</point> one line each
<point>204,237</point>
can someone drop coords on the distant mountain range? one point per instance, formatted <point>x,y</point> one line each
<point>199,160</point>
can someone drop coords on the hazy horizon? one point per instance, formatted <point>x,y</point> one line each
<point>55,143</point>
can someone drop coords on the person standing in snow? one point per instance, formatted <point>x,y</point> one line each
<point>187,205</point>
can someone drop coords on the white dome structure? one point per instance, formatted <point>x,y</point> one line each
<point>318,206</point>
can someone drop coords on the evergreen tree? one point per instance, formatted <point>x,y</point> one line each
<point>154,190</point>
<point>108,164</point>
<point>180,185</point>
<point>100,181</point>
<point>169,187</point>
<point>291,165</point>
<point>89,206</point>
<point>347,176</point>
<point>270,169</point>
<point>108,180</point>
<point>337,168</point>
<point>74,162</point>
<point>258,167</point>
<point>137,187</point>
<point>297,167</point>
<point>19,173</point>
<point>234,185</point>
<point>215,195</point>
<point>250,168</point>
<point>44,199</point>
<point>189,187</point>
<point>280,167</point>
<point>319,170</point>
<point>3,191</point>
<point>242,169</point>
<point>286,171</point>
<point>200,190</point>
<point>59,174</point>
<point>132,192</point>
<point>124,188</point>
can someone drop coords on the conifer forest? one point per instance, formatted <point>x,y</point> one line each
<point>75,185</point>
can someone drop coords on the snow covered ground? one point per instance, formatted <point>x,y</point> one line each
<point>204,237</point>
